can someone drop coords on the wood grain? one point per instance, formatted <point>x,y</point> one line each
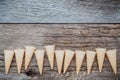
<point>64,36</point>
<point>59,11</point>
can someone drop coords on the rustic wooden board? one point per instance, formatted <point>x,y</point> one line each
<point>59,11</point>
<point>64,36</point>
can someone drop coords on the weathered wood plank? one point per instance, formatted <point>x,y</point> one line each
<point>64,36</point>
<point>62,11</point>
<point>65,30</point>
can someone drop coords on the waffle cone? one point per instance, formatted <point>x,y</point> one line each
<point>59,58</point>
<point>90,59</point>
<point>19,54</point>
<point>100,57</point>
<point>8,59</point>
<point>68,58</point>
<point>79,60</point>
<point>40,59</point>
<point>50,53</point>
<point>111,54</point>
<point>29,50</point>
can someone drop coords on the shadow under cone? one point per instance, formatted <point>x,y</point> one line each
<point>8,59</point>
<point>59,59</point>
<point>50,49</point>
<point>100,57</point>
<point>111,54</point>
<point>40,59</point>
<point>79,56</point>
<point>90,59</point>
<point>29,50</point>
<point>68,58</point>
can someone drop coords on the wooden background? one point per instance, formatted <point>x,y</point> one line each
<point>64,36</point>
<point>59,11</point>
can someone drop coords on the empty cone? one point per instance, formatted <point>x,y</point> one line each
<point>100,57</point>
<point>111,54</point>
<point>90,59</point>
<point>59,58</point>
<point>8,59</point>
<point>29,50</point>
<point>40,58</point>
<point>19,53</point>
<point>50,53</point>
<point>68,58</point>
<point>79,59</point>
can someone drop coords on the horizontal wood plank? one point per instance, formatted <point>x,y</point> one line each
<point>64,36</point>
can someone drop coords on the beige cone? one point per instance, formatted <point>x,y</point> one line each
<point>19,54</point>
<point>111,54</point>
<point>90,59</point>
<point>79,55</point>
<point>8,59</point>
<point>40,59</point>
<point>50,53</point>
<point>29,50</point>
<point>100,57</point>
<point>68,58</point>
<point>59,58</point>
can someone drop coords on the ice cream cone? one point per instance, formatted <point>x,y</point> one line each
<point>29,50</point>
<point>68,58</point>
<point>100,56</point>
<point>90,59</point>
<point>8,59</point>
<point>40,59</point>
<point>79,60</point>
<point>19,54</point>
<point>59,58</point>
<point>50,53</point>
<point>111,54</point>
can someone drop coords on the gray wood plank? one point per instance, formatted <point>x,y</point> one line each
<point>64,36</point>
<point>60,11</point>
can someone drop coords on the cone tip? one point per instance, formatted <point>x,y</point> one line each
<point>18,72</point>
<point>64,71</point>
<point>115,72</point>
<point>88,73</point>
<point>77,72</point>
<point>100,69</point>
<point>25,67</point>
<point>59,72</point>
<point>40,73</point>
<point>51,67</point>
<point>6,71</point>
